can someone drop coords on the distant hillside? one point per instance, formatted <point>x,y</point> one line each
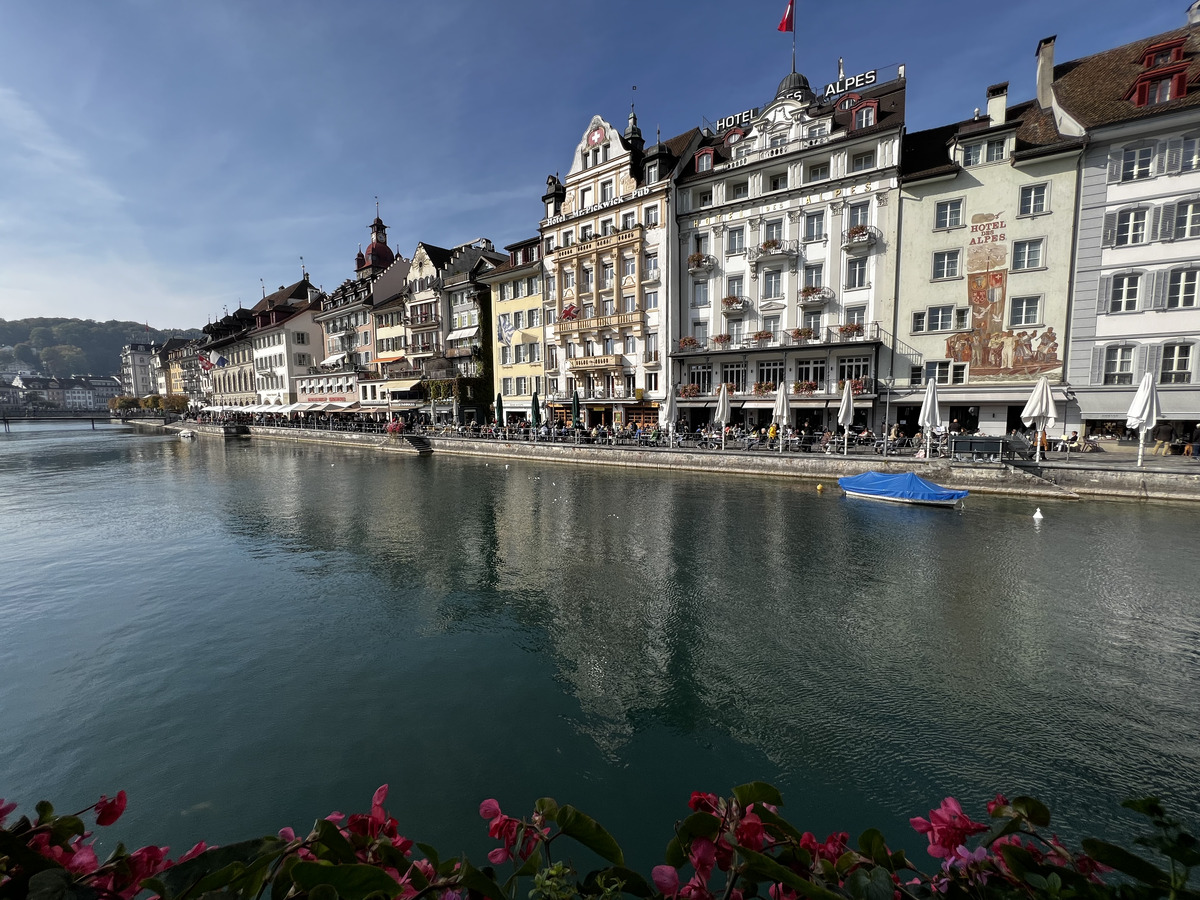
<point>76,346</point>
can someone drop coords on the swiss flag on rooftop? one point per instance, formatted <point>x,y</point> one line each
<point>788,22</point>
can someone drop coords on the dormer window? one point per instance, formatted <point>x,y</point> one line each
<point>1165,78</point>
<point>865,115</point>
<point>1163,54</point>
<point>704,161</point>
<point>651,172</point>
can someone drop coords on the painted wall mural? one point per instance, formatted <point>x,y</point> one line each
<point>996,349</point>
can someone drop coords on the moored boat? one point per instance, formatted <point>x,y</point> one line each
<point>187,434</point>
<point>903,487</point>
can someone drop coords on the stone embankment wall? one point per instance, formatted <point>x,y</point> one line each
<point>1053,481</point>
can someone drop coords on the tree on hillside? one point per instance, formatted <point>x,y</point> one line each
<point>63,359</point>
<point>25,353</point>
<point>41,336</point>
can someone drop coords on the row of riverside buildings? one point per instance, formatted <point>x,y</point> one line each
<point>797,244</point>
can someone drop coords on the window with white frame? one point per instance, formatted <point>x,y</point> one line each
<point>856,273</point>
<point>735,240</point>
<point>778,181</point>
<point>650,216</point>
<point>630,344</point>
<point>860,214</point>
<point>771,372</point>
<point>1189,160</point>
<point>628,220</point>
<point>585,197</point>
<point>534,317</point>
<point>706,199</point>
<point>606,227</point>
<point>606,191</point>
<point>945,263</point>
<point>739,191</point>
<point>587,232</point>
<point>918,322</point>
<point>651,172</point>
<point>628,266</point>
<point>771,324</point>
<point>734,373</point>
<point>651,265</point>
<point>506,387</point>
<point>1027,254</point>
<point>588,279</point>
<point>864,117</point>
<point>1033,200</point>
<point>938,371</point>
<point>609,306</point>
<point>861,162</point>
<point>814,275</point>
<point>736,286</point>
<point>1187,220</point>
<point>772,282</point>
<point>628,303</point>
<point>773,231</point>
<point>1025,311</point>
<point>1176,364</point>
<point>851,368</point>
<point>1124,295</point>
<point>1181,289</point>
<point>651,298</point>
<point>1136,163</point>
<point>814,226</point>
<point>568,279</point>
<point>1118,365</point>
<point>704,161</point>
<point>817,129</point>
<point>1131,227</point>
<point>812,321</point>
<point>856,315</point>
<point>737,331</point>
<point>568,238</point>
<point>993,150</point>
<point>700,293</point>
<point>972,154</point>
<point>949,214</point>
<point>701,377</point>
<point>817,172</point>
<point>941,318</point>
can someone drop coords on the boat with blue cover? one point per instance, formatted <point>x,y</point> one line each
<point>903,487</point>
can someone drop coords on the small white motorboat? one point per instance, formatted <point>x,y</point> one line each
<point>187,435</point>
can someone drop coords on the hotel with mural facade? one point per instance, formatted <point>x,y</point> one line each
<point>788,251</point>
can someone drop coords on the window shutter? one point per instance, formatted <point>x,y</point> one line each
<point>1165,224</point>
<point>1160,158</point>
<point>1174,156</point>
<point>1153,359</point>
<point>1114,165</point>
<point>1097,365</point>
<point>1155,219</point>
<point>1104,296</point>
<point>1139,362</point>
<point>1161,281</point>
<point>1108,237</point>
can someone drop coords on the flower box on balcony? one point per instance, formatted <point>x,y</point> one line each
<point>854,232</point>
<point>730,387</point>
<point>850,329</point>
<point>762,388</point>
<point>804,387</point>
<point>770,245</point>
<point>810,291</point>
<point>699,261</point>
<point>763,335</point>
<point>688,343</point>
<point>856,385</point>
<point>802,334</point>
<point>722,339</point>
<point>731,301</point>
<point>689,390</point>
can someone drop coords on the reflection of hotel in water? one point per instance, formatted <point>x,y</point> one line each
<point>787,229</point>
<point>607,240</point>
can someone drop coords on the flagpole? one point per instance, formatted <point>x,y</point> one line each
<point>793,40</point>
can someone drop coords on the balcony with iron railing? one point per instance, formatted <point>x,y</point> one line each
<point>652,357</point>
<point>811,295</point>
<point>701,263</point>
<point>735,305</point>
<point>823,389</point>
<point>608,361</point>
<point>856,332</point>
<point>635,319</point>
<point>861,237</point>
<point>424,321</point>
<point>773,249</point>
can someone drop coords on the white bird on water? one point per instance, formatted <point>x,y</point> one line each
<point>1038,514</point>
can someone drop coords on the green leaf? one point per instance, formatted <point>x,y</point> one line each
<point>256,852</point>
<point>66,827</point>
<point>281,884</point>
<point>1036,880</point>
<point>1004,826</point>
<point>757,792</point>
<point>870,883</point>
<point>19,852</point>
<point>674,855</point>
<point>474,880</point>
<point>45,811</point>
<point>1018,859</point>
<point>632,882</point>
<point>353,882</point>
<point>1123,861</point>
<point>777,821</point>
<point>1033,810</point>
<point>337,848</point>
<point>323,892</point>
<point>431,854</point>
<point>529,866</point>
<point>547,807</point>
<point>873,846</point>
<point>767,869</point>
<point>1147,806</point>
<point>589,832</point>
<point>51,884</point>
<point>221,878</point>
<point>1182,849</point>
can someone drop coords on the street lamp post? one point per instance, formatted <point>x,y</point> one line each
<point>887,412</point>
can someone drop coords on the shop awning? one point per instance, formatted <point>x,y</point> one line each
<point>333,360</point>
<point>406,385</point>
<point>302,407</point>
<point>461,334</point>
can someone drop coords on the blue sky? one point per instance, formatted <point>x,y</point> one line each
<point>157,159</point>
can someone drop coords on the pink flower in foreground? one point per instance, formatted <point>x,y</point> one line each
<point>5,809</point>
<point>948,826</point>
<point>701,802</point>
<point>193,853</point>
<point>750,832</point>
<point>489,809</point>
<point>666,879</point>
<point>993,805</point>
<point>83,861</point>
<point>108,811</point>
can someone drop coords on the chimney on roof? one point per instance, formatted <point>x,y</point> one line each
<point>1193,13</point>
<point>1045,69</point>
<point>997,96</point>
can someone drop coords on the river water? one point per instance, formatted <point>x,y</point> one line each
<point>249,634</point>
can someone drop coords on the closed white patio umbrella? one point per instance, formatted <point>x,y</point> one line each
<point>1144,412</point>
<point>667,414</point>
<point>782,411</point>
<point>1040,410</point>
<point>929,418</point>
<point>721,415</point>
<point>846,415</point>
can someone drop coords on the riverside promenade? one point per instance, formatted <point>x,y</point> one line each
<point>1111,474</point>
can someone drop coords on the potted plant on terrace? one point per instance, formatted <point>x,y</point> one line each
<point>762,335</point>
<point>697,260</point>
<point>688,343</point>
<point>850,329</point>
<point>761,388</point>
<point>721,339</point>
<point>804,387</point>
<point>689,390</point>
<point>810,290</point>
<point>770,245</point>
<point>856,231</point>
<point>801,334</point>
<point>732,301</point>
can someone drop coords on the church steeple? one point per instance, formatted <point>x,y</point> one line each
<point>379,255</point>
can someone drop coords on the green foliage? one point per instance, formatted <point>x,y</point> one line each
<point>99,343</point>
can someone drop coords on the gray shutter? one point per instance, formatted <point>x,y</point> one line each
<point>1165,224</point>
<point>1159,165</point>
<point>1153,360</point>
<point>1159,299</point>
<point>1139,362</point>
<point>1155,218</point>
<point>1174,156</point>
<point>1104,295</point>
<point>1097,365</point>
<point>1108,236</point>
<point>1115,158</point>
